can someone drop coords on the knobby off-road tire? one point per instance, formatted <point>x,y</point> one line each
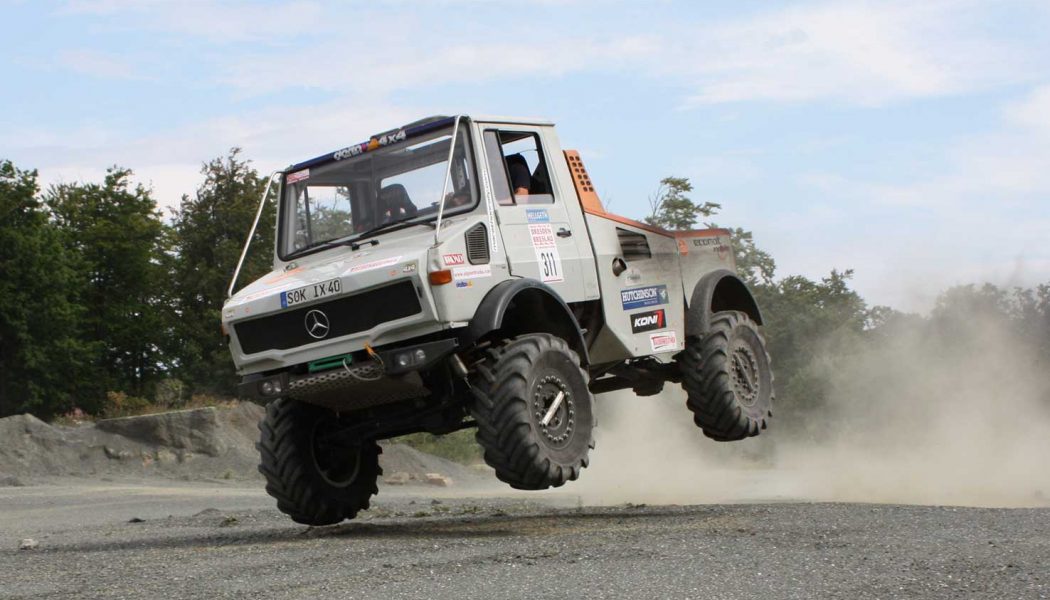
<point>515,387</point>
<point>728,378</point>
<point>314,483</point>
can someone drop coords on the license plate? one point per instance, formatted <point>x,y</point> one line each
<point>310,293</point>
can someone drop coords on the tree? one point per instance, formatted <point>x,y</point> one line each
<point>209,230</point>
<point>672,209</point>
<point>115,235</point>
<point>40,357</point>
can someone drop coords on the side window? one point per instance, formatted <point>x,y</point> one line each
<point>519,170</point>
<point>497,170</point>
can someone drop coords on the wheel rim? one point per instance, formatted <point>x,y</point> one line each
<point>338,466</point>
<point>745,372</point>
<point>560,415</point>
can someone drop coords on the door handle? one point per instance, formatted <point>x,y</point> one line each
<point>563,232</point>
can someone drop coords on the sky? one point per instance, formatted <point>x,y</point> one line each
<point>908,141</point>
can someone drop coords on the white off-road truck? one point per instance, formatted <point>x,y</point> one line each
<point>462,272</point>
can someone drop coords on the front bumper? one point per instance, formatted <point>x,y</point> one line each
<point>354,385</point>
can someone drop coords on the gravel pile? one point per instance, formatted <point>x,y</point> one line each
<point>200,444</point>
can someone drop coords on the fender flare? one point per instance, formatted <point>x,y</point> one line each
<point>733,294</point>
<point>560,321</point>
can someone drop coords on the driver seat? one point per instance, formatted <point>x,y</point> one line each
<point>394,204</point>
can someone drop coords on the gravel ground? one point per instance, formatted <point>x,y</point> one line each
<point>225,541</point>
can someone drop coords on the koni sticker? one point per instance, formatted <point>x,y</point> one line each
<point>653,295</point>
<point>537,215</point>
<point>546,247</point>
<point>375,264</point>
<point>663,341</point>
<point>298,176</point>
<point>452,260</point>
<point>648,321</point>
<point>475,272</point>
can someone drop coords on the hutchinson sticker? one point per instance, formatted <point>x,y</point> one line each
<point>452,260</point>
<point>298,176</point>
<point>466,273</point>
<point>375,264</point>
<point>537,215</point>
<point>653,295</point>
<point>648,321</point>
<point>663,341</point>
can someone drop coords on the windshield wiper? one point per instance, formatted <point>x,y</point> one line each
<point>358,239</point>
<point>355,242</point>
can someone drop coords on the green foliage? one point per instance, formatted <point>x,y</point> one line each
<point>40,354</point>
<point>755,266</point>
<point>673,210</point>
<point>209,229</point>
<point>114,233</point>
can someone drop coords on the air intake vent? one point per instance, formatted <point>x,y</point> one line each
<point>634,246</point>
<point>478,245</point>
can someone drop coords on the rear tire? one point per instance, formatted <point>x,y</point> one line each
<point>517,386</point>
<point>314,483</point>
<point>728,378</point>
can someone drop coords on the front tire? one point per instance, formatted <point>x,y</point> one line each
<point>534,412</point>
<point>728,378</point>
<point>314,483</point>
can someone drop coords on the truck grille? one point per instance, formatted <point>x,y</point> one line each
<point>346,315</point>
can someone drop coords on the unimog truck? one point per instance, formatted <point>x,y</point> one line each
<point>462,272</point>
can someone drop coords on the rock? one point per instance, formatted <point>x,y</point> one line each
<point>136,520</point>
<point>399,478</point>
<point>10,481</point>
<point>438,479</point>
<point>211,431</point>
<point>28,544</point>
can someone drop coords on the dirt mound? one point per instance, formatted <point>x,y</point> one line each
<point>205,443</point>
<point>211,431</point>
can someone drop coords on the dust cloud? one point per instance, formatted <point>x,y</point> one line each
<point>907,420</point>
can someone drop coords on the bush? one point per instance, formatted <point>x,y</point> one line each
<point>119,404</point>
<point>458,446</point>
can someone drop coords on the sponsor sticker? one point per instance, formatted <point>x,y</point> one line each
<point>375,264</point>
<point>298,176</point>
<point>700,242</point>
<point>452,260</point>
<point>652,295</point>
<point>546,247</point>
<point>537,215</point>
<point>475,272</point>
<point>464,284</point>
<point>648,321</point>
<point>663,341</point>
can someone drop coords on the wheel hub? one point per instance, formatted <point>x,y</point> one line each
<point>554,410</point>
<point>338,465</point>
<point>744,369</point>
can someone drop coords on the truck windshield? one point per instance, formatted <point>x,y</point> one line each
<point>395,183</point>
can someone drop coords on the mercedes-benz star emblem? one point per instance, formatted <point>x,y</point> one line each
<point>317,324</point>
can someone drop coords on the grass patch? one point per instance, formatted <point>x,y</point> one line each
<point>458,446</point>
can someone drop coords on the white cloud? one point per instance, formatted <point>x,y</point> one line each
<point>219,22</point>
<point>860,53</point>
